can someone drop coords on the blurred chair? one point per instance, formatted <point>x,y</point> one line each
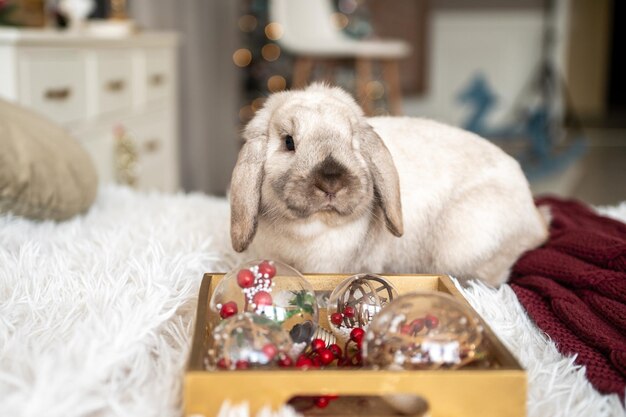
<point>311,37</point>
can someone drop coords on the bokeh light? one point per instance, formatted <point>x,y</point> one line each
<point>246,113</point>
<point>242,57</point>
<point>276,83</point>
<point>274,31</point>
<point>340,20</point>
<point>270,52</point>
<point>257,103</point>
<point>348,6</point>
<point>375,89</point>
<point>247,23</point>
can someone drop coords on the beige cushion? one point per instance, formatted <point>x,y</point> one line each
<point>44,173</point>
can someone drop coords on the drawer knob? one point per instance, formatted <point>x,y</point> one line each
<point>115,86</point>
<point>152,146</point>
<point>58,94</point>
<point>156,80</point>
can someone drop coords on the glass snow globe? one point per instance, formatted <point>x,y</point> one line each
<point>422,330</point>
<point>271,289</point>
<point>356,301</point>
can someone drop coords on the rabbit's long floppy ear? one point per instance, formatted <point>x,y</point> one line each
<point>385,176</point>
<point>247,178</point>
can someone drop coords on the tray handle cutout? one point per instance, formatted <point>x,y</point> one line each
<point>361,405</point>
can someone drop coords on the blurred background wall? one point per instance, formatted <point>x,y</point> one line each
<point>209,85</point>
<point>541,78</point>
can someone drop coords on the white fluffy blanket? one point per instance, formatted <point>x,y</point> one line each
<point>96,312</point>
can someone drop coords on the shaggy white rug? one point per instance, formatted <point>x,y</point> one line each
<point>96,312</point>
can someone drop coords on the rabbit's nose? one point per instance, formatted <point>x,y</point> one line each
<point>330,185</point>
<point>330,176</point>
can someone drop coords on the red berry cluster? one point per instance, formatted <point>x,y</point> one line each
<point>255,283</point>
<point>416,326</point>
<point>319,355</point>
<point>353,349</point>
<point>338,317</point>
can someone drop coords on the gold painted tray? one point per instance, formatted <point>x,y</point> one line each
<point>494,388</point>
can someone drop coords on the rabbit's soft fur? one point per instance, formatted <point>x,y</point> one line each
<point>383,194</point>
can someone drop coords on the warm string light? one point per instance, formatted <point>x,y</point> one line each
<point>348,6</point>
<point>276,83</point>
<point>339,20</point>
<point>246,113</point>
<point>247,23</point>
<point>270,52</point>
<point>257,103</point>
<point>242,57</point>
<point>274,31</point>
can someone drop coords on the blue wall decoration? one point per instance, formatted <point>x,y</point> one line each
<point>544,154</point>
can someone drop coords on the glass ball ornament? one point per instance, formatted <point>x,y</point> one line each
<point>271,289</point>
<point>422,330</point>
<point>248,340</point>
<point>355,302</point>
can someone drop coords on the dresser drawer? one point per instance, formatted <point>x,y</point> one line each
<point>113,81</point>
<point>157,166</point>
<point>53,83</point>
<point>159,73</point>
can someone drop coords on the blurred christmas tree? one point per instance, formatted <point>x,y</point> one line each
<point>267,67</point>
<point>6,10</point>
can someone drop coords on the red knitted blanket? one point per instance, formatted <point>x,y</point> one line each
<point>574,288</point>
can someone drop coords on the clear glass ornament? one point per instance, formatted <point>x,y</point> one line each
<point>355,302</point>
<point>271,289</point>
<point>422,330</point>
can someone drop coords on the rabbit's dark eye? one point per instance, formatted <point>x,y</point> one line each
<point>289,143</point>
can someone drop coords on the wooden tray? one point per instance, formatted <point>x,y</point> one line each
<point>497,389</point>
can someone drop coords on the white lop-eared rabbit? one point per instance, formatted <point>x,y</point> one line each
<point>321,187</point>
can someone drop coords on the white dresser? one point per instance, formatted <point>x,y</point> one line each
<point>95,86</point>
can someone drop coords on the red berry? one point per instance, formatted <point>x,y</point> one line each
<point>242,364</point>
<point>322,402</point>
<point>348,312</point>
<point>270,351</point>
<point>317,344</point>
<point>262,298</point>
<point>317,362</point>
<point>336,319</point>
<point>326,356</point>
<point>336,350</point>
<point>285,362</point>
<point>417,325</point>
<point>303,362</point>
<point>245,278</point>
<point>431,321</point>
<point>266,267</point>
<point>228,309</point>
<point>223,363</point>
<point>406,329</point>
<point>356,335</point>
